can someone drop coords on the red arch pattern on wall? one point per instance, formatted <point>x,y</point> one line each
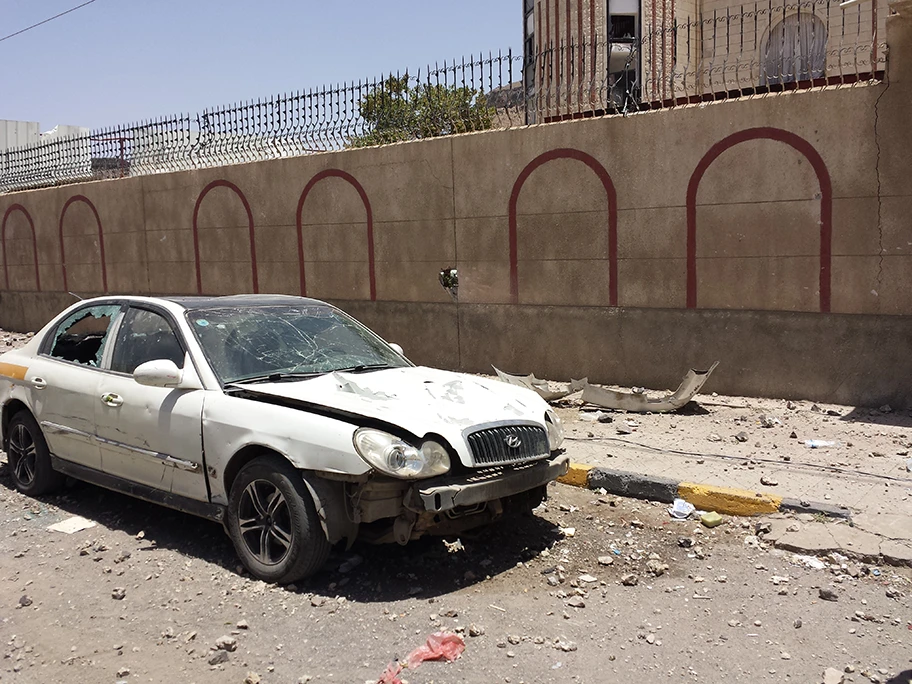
<point>196,248</point>
<point>351,180</point>
<point>10,210</point>
<point>826,203</point>
<point>604,177</point>
<point>101,249</point>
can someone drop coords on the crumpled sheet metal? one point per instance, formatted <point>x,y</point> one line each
<point>639,402</point>
<point>540,387</point>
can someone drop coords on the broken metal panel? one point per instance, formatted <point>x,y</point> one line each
<point>640,402</point>
<point>540,387</point>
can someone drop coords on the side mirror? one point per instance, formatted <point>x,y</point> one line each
<point>165,373</point>
<point>158,373</point>
<point>396,348</point>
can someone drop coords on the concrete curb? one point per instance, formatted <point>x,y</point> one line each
<point>726,500</point>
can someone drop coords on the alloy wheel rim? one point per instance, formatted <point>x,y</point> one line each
<point>264,520</point>
<point>23,454</point>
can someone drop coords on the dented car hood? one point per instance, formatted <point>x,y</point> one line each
<point>418,399</point>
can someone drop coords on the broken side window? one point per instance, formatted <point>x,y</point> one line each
<point>82,335</point>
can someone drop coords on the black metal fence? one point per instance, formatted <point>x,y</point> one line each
<point>744,51</point>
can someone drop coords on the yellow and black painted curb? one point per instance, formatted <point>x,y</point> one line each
<point>728,500</point>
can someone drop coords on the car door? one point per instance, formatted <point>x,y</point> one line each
<point>65,382</point>
<point>150,435</point>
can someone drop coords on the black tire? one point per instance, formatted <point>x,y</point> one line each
<point>29,458</point>
<point>273,523</point>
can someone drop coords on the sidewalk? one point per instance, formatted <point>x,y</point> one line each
<point>721,441</point>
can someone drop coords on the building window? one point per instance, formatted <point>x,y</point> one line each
<point>622,27</point>
<point>795,50</point>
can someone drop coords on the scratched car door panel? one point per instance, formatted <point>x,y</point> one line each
<point>150,435</point>
<point>65,383</point>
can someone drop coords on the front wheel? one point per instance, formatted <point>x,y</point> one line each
<point>29,458</point>
<point>273,523</point>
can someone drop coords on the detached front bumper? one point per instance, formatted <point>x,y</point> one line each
<point>444,494</point>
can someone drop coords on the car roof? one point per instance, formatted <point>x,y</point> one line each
<point>229,301</point>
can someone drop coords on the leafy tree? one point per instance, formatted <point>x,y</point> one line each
<point>396,110</point>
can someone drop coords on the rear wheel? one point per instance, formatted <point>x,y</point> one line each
<point>273,523</point>
<point>29,457</point>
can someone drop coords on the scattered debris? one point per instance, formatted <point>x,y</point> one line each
<point>218,657</point>
<point>768,481</point>
<point>820,444</point>
<point>656,567</point>
<point>809,562</point>
<point>540,387</point>
<point>576,602</point>
<point>72,525</point>
<point>226,643</point>
<point>711,519</point>
<point>769,421</point>
<point>439,646</point>
<point>565,645</point>
<point>833,676</point>
<point>454,547</point>
<point>828,594</point>
<point>630,580</point>
<point>118,593</point>
<point>681,509</point>
<point>639,402</point>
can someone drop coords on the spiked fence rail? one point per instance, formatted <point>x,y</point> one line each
<point>744,51</point>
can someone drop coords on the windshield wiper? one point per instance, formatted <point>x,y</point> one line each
<point>273,377</point>
<point>363,367</point>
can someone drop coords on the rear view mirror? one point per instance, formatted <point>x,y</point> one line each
<point>396,348</point>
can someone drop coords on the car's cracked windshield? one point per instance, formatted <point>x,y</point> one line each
<point>281,342</point>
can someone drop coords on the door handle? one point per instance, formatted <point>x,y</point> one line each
<point>112,399</point>
<point>39,383</point>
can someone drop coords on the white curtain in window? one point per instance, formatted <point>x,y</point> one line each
<point>795,50</point>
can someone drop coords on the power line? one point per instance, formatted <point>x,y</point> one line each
<point>56,16</point>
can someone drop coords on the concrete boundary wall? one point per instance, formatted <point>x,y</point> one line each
<point>772,234</point>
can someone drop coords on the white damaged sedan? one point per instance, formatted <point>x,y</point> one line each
<point>281,417</point>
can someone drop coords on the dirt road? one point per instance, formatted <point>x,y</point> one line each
<point>591,589</point>
<point>547,607</point>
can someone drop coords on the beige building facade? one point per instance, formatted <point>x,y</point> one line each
<point>587,57</point>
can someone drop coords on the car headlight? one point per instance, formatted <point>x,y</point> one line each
<point>393,456</point>
<point>555,430</point>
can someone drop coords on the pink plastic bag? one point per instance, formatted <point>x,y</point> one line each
<point>439,646</point>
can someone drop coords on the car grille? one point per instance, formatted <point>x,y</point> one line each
<point>489,447</point>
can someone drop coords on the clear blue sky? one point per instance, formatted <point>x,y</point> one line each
<point>118,61</point>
